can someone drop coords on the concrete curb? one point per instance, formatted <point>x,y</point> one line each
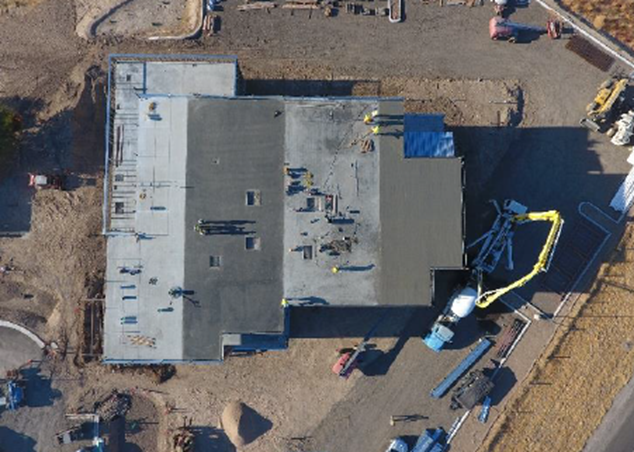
<point>590,33</point>
<point>31,335</point>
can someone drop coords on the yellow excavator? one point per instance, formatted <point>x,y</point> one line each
<point>602,109</point>
<point>495,243</point>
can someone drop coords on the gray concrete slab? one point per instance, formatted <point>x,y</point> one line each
<point>16,349</point>
<point>142,321</point>
<point>336,205</point>
<point>421,218</point>
<point>234,146</point>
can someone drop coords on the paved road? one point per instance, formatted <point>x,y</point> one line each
<point>16,349</point>
<point>615,434</point>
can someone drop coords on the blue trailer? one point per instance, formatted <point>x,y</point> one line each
<point>13,395</point>
<point>431,440</point>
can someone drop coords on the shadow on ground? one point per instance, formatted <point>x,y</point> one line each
<point>210,439</point>
<point>12,441</point>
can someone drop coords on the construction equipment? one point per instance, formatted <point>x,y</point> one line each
<point>554,28</point>
<point>46,181</point>
<point>395,11</point>
<point>624,129</point>
<point>431,441</point>
<point>13,397</point>
<point>602,109</point>
<point>79,432</point>
<point>496,242</point>
<point>397,445</point>
<point>349,359</point>
<point>486,408</point>
<point>183,438</point>
<point>503,29</point>
<point>475,387</point>
<point>461,368</point>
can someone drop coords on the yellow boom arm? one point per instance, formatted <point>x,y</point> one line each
<point>543,260</point>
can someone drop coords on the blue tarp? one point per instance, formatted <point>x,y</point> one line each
<point>428,144</point>
<point>425,136</point>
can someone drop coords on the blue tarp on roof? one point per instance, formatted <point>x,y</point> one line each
<point>428,144</point>
<point>425,136</point>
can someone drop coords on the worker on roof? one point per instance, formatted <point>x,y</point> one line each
<point>369,117</point>
<point>376,130</point>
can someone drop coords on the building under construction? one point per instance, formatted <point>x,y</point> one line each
<point>223,210</point>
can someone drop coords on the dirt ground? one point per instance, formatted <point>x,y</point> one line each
<point>614,17</point>
<point>59,263</point>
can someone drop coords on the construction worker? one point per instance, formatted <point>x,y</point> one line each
<point>369,117</point>
<point>376,130</point>
<point>335,270</point>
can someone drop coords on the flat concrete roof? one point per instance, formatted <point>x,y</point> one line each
<point>331,214</point>
<point>233,146</point>
<point>223,207</point>
<point>146,194</point>
<point>421,218</point>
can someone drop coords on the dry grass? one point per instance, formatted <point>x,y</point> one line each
<point>586,365</point>
<point>615,17</point>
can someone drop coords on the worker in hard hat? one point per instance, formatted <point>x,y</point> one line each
<point>376,130</point>
<point>369,117</point>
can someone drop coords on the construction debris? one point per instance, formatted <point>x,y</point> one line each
<point>210,24</point>
<point>589,52</point>
<point>257,5</point>
<point>507,338</point>
<point>115,405</point>
<point>183,438</point>
<point>396,10</point>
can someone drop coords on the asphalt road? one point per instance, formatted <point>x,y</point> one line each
<point>615,434</point>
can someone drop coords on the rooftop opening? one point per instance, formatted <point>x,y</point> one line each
<point>252,243</point>
<point>254,198</point>
<point>215,261</point>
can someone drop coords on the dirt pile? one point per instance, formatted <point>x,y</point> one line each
<point>589,361</point>
<point>242,424</point>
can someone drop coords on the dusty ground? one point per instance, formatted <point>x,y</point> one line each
<point>485,90</point>
<point>614,17</point>
<point>583,369</point>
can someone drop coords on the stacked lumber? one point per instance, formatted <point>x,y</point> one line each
<point>302,4</point>
<point>257,5</point>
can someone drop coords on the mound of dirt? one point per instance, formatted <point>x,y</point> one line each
<point>242,424</point>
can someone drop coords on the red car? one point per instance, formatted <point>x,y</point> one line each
<point>47,181</point>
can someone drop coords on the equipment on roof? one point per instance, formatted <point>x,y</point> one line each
<point>601,111</point>
<point>496,242</point>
